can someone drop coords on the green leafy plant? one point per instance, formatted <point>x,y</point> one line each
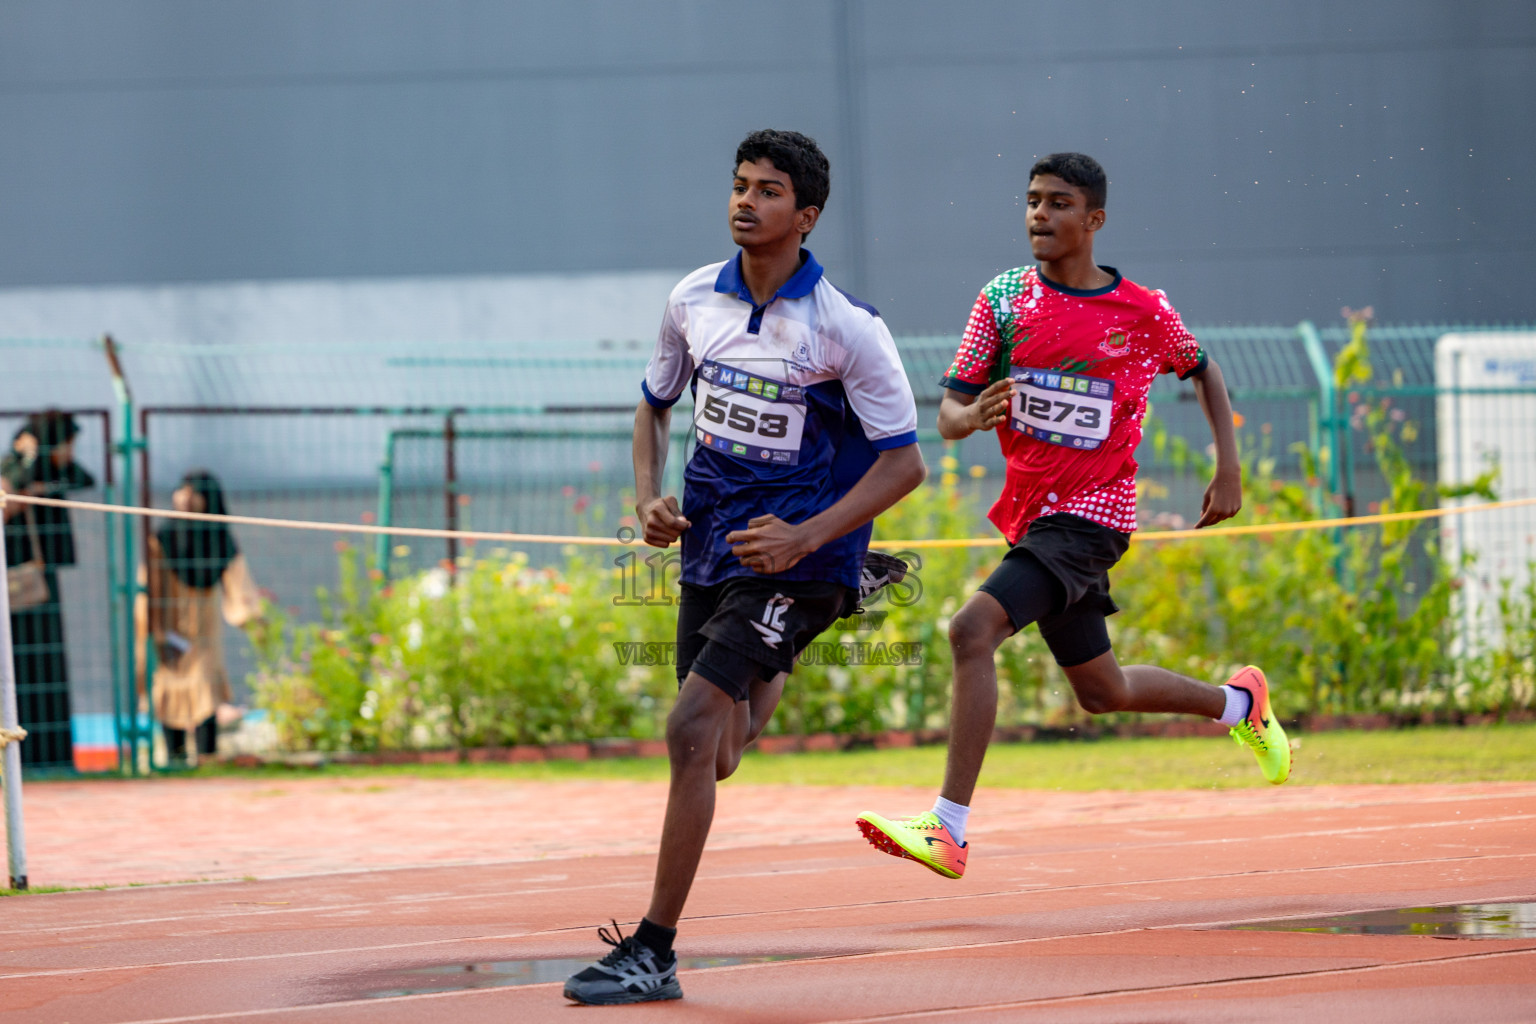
<point>495,652</point>
<point>1352,620</point>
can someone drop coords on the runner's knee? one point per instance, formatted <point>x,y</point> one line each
<point>726,763</point>
<point>973,633</point>
<point>1100,702</point>
<point>694,730</point>
<point>738,733</point>
<point>1101,689</point>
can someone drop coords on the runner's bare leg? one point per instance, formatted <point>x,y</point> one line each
<point>695,729</point>
<point>748,721</point>
<point>975,633</point>
<point>1103,686</point>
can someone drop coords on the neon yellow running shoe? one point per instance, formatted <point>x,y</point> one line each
<point>1260,731</point>
<point>923,839</point>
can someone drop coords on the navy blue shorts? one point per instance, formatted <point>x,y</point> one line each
<point>752,627</point>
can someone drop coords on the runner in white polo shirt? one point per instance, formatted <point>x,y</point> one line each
<point>805,430</point>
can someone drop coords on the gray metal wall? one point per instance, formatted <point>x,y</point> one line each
<point>1269,161</point>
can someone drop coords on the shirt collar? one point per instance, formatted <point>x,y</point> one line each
<point>1085,293</point>
<point>800,284</point>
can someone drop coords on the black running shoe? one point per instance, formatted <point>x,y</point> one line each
<point>632,972</point>
<point>880,570</point>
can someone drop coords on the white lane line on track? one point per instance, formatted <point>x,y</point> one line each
<point>1081,886</point>
<point>736,846</point>
<point>1199,986</point>
<point>954,897</point>
<point>882,954</point>
<point>1076,852</point>
<point>256,957</point>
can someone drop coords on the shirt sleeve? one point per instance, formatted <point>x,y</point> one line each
<point>671,365</point>
<point>877,388</point>
<point>976,359</point>
<point>1178,349</point>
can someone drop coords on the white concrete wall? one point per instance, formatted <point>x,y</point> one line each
<point>535,310</point>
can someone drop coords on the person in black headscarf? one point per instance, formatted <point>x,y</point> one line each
<point>189,563</point>
<point>41,462</point>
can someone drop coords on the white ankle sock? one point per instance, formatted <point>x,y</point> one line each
<point>953,816</point>
<point>1238,704</point>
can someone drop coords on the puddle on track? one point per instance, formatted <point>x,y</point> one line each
<point>496,974</point>
<point>1458,921</point>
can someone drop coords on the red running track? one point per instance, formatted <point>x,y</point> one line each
<point>1094,907</point>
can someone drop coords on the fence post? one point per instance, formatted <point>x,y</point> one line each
<point>15,831</point>
<point>386,513</point>
<point>127,571</point>
<point>1328,404</point>
<point>450,492</point>
<point>672,473</point>
<point>1329,423</point>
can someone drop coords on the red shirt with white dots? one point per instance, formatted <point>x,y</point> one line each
<point>1082,362</point>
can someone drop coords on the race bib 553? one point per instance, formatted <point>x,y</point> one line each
<point>755,418</point>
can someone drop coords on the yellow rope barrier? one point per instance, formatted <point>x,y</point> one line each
<point>9,736</point>
<point>1145,536</point>
<point>298,524</point>
<point>1246,530</point>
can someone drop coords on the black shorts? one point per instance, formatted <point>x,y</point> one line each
<point>751,627</point>
<point>1078,553</point>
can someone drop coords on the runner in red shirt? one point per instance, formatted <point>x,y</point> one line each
<point>1058,358</point>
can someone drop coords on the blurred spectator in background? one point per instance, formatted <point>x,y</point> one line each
<point>194,571</point>
<point>41,462</point>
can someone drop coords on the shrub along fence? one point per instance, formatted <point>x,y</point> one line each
<point>389,645</point>
<point>1357,620</point>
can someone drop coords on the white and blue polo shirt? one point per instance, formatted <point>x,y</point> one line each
<point>792,401</point>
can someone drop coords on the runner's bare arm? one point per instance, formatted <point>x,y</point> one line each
<point>770,545</point>
<point>1224,496</point>
<point>961,415</point>
<point>661,521</point>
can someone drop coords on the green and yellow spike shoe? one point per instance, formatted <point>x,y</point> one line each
<point>1260,732</point>
<point>923,839</point>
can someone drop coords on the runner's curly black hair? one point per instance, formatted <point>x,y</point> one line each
<point>797,156</point>
<point>1076,169</point>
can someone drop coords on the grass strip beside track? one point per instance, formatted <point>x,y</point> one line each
<point>1417,755</point>
<point>43,890</point>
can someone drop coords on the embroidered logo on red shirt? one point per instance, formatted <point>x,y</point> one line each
<point>1114,343</point>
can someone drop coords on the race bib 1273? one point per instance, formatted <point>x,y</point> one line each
<point>748,415</point>
<point>1068,409</point>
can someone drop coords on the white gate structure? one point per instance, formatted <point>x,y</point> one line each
<point>1486,417</point>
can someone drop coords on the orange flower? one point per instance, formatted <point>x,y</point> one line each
<point>1237,420</point>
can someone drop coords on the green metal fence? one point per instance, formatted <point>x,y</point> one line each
<point>537,440</point>
<point>72,653</point>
